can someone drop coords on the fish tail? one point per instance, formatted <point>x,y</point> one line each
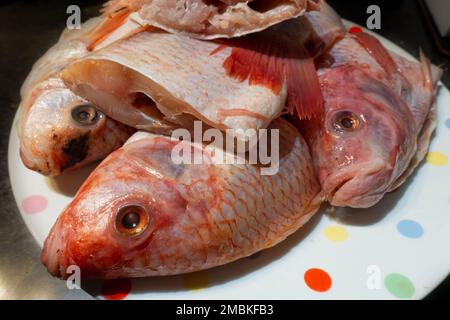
<point>431,74</point>
<point>425,67</point>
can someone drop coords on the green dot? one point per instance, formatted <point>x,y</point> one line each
<point>399,286</point>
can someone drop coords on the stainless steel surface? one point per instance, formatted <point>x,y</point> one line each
<point>26,32</point>
<point>22,276</point>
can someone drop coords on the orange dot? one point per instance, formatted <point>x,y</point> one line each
<point>116,289</point>
<point>318,280</point>
<point>355,30</point>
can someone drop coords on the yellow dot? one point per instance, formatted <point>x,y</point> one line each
<point>437,159</point>
<point>196,281</point>
<point>336,234</point>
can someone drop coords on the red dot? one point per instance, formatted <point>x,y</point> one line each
<point>116,289</point>
<point>355,30</point>
<point>318,280</point>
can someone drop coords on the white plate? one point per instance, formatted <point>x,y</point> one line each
<point>396,250</point>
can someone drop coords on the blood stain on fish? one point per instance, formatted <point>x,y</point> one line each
<point>75,151</point>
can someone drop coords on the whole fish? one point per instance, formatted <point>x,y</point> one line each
<point>379,117</point>
<point>59,130</point>
<point>205,19</point>
<point>239,84</point>
<point>141,214</point>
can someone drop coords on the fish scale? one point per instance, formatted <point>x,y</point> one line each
<point>204,216</point>
<point>386,103</point>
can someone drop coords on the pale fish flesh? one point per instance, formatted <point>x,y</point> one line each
<point>59,130</point>
<point>242,84</point>
<point>209,19</point>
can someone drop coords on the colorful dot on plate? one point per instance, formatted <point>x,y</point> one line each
<point>318,280</point>
<point>410,229</point>
<point>447,123</point>
<point>355,29</point>
<point>196,281</point>
<point>336,234</point>
<point>399,286</point>
<point>34,204</point>
<point>437,159</point>
<point>116,289</point>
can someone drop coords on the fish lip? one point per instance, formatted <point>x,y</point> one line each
<point>53,254</point>
<point>339,188</point>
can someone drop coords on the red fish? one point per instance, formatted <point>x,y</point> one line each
<point>379,116</point>
<point>141,214</point>
<point>285,54</point>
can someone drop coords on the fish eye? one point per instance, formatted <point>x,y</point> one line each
<point>131,220</point>
<point>346,121</point>
<point>86,114</point>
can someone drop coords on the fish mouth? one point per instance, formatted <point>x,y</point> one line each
<point>53,254</point>
<point>361,186</point>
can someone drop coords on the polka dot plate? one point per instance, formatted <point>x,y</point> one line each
<point>398,249</point>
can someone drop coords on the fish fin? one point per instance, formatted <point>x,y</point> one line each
<point>219,48</point>
<point>112,6</point>
<point>304,92</point>
<point>272,66</point>
<point>139,30</point>
<point>427,75</point>
<point>376,49</point>
<point>111,23</point>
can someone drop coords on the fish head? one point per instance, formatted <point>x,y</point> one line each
<point>364,141</point>
<point>130,218</point>
<point>59,130</point>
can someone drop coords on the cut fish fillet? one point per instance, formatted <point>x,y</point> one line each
<point>178,76</point>
<point>212,19</point>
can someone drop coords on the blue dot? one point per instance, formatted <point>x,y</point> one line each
<point>447,123</point>
<point>410,229</point>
